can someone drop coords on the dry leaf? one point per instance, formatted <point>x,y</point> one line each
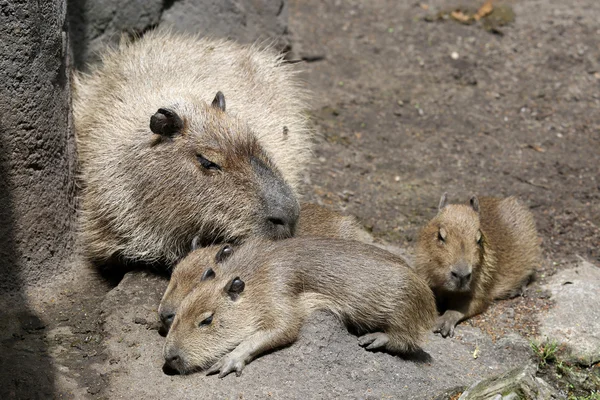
<point>476,352</point>
<point>536,148</point>
<point>460,16</point>
<point>424,6</point>
<point>484,10</point>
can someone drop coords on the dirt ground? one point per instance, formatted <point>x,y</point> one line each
<point>404,110</point>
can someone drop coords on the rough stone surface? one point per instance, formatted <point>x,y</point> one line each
<point>326,355</point>
<point>94,24</point>
<point>246,21</point>
<point>36,146</point>
<point>575,318</point>
<point>36,184</point>
<point>517,384</point>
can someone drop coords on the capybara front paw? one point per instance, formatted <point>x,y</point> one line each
<point>372,341</point>
<point>227,365</point>
<point>445,326</point>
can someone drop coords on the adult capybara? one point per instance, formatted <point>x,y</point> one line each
<point>180,136</point>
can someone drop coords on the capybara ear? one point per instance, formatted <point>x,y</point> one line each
<point>223,254</point>
<point>166,122</point>
<point>474,202</point>
<point>219,101</point>
<point>443,201</point>
<point>442,234</point>
<point>235,288</point>
<point>208,274</point>
<point>195,243</point>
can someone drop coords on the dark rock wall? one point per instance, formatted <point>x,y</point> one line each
<point>37,151</point>
<point>95,23</point>
<point>37,164</point>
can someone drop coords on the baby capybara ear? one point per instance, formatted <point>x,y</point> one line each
<point>474,202</point>
<point>166,122</point>
<point>208,274</point>
<point>195,243</point>
<point>223,254</point>
<point>219,101</point>
<point>443,201</point>
<point>235,288</point>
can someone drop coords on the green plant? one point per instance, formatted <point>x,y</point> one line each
<point>563,368</point>
<point>591,396</point>
<point>544,351</point>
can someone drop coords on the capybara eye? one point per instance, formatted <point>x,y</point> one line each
<point>206,321</point>
<point>206,163</point>
<point>441,235</point>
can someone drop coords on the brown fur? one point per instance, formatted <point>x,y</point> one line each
<point>500,265</point>
<point>314,221</point>
<point>319,221</point>
<point>369,289</point>
<point>145,196</point>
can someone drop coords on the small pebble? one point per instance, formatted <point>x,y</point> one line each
<point>454,55</point>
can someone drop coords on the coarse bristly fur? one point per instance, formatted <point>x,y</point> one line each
<point>369,289</point>
<point>145,196</point>
<point>314,221</point>
<point>319,221</point>
<point>471,254</point>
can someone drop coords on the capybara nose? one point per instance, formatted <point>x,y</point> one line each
<point>283,210</point>
<point>173,362</point>
<point>280,203</point>
<point>282,222</point>
<point>167,317</point>
<point>461,276</point>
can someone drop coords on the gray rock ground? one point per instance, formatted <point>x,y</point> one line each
<point>575,317</point>
<point>520,383</point>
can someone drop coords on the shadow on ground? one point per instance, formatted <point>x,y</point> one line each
<point>26,369</point>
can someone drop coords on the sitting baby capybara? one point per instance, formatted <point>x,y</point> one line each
<point>471,254</point>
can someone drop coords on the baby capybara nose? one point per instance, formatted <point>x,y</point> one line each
<point>167,317</point>
<point>461,276</point>
<point>173,362</point>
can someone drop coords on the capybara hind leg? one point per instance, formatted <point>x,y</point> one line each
<point>402,342</point>
<point>372,341</point>
<point>520,290</point>
<point>383,341</point>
